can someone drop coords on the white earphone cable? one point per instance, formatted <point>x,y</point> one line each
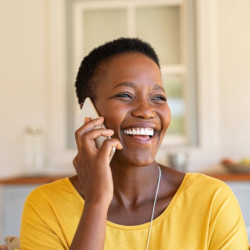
<point>152,216</point>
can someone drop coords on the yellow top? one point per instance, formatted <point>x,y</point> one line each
<point>203,214</point>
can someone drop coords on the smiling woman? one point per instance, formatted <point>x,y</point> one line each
<point>131,202</point>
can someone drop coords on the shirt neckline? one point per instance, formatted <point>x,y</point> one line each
<point>144,225</point>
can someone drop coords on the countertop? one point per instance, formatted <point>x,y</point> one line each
<point>230,176</point>
<point>26,180</point>
<point>29,180</point>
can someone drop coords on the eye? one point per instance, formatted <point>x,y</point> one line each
<point>124,96</point>
<point>159,98</point>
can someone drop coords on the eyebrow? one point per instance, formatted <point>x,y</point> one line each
<point>133,85</point>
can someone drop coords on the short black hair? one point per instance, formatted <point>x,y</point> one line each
<point>86,82</point>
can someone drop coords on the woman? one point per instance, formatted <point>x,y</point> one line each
<point>110,205</point>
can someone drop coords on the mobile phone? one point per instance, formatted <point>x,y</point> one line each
<point>89,110</point>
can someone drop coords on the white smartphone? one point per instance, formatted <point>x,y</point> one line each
<point>89,110</point>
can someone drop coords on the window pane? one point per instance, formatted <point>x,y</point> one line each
<point>173,86</point>
<point>160,26</point>
<point>103,25</point>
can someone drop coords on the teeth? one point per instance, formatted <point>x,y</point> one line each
<point>139,131</point>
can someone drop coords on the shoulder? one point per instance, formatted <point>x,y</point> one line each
<point>51,201</point>
<point>213,192</point>
<point>221,210</point>
<point>194,182</point>
<point>54,192</point>
<point>50,188</point>
<point>208,186</point>
<point>197,180</point>
<point>46,215</point>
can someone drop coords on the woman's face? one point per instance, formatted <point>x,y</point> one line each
<point>133,102</point>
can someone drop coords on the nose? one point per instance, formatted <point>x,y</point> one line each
<point>144,109</point>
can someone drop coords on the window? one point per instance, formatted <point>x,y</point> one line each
<point>168,25</point>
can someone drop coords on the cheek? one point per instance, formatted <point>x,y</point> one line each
<point>166,117</point>
<point>113,117</point>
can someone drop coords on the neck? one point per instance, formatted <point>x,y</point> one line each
<point>133,184</point>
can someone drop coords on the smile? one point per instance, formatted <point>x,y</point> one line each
<point>140,131</point>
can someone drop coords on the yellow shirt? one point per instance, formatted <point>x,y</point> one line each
<point>203,214</point>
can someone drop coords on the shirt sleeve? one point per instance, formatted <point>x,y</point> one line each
<point>36,233</point>
<point>227,228</point>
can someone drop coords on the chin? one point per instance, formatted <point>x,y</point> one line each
<point>143,158</point>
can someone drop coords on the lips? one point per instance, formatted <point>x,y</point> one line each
<point>142,134</point>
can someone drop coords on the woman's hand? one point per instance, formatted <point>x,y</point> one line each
<point>92,164</point>
<point>94,174</point>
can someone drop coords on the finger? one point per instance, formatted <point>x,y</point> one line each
<point>108,146</point>
<point>89,123</point>
<point>75,161</point>
<point>94,134</point>
<point>88,126</point>
<point>86,120</point>
<point>89,139</point>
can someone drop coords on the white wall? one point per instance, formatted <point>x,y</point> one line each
<point>22,78</point>
<point>234,77</point>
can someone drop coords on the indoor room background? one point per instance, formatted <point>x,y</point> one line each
<point>204,50</point>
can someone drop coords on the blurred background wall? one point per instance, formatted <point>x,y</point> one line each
<point>33,82</point>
